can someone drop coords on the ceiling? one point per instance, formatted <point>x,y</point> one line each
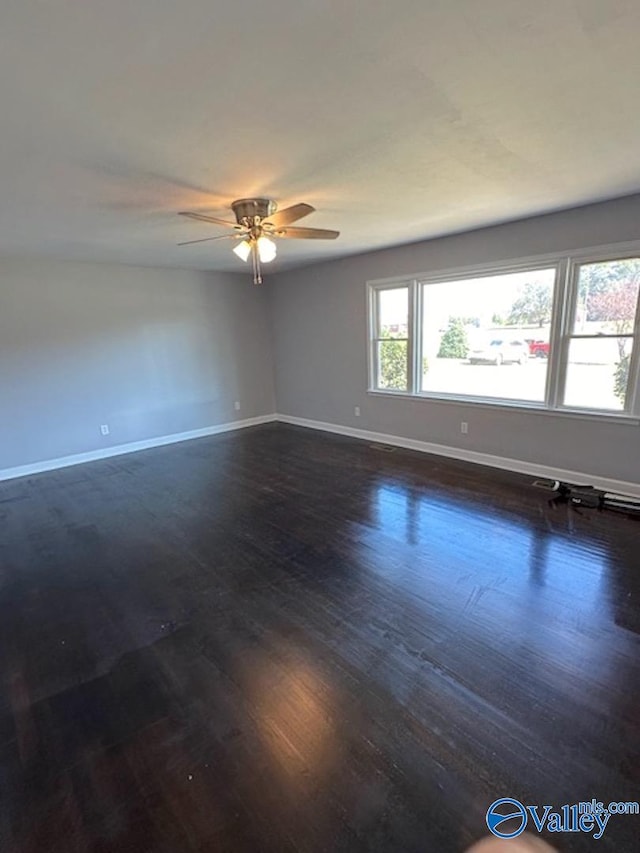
<point>397,121</point>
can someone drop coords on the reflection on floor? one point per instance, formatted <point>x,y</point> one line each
<point>279,640</point>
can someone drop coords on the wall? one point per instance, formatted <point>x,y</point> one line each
<point>318,317</point>
<point>150,352</point>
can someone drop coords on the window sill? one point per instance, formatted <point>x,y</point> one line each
<point>512,406</point>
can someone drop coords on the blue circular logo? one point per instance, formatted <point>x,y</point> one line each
<point>497,816</point>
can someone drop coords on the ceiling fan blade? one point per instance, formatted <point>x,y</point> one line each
<point>307,233</point>
<point>202,217</point>
<point>289,214</point>
<point>208,239</point>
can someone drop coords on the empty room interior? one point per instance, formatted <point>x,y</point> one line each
<point>319,426</point>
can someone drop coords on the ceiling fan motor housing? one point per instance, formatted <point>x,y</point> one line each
<point>246,209</point>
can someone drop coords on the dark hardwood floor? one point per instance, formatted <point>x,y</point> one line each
<point>280,640</point>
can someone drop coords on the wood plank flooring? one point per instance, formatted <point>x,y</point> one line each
<point>281,640</point>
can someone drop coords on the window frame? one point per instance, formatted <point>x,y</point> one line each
<point>567,266</point>
<point>374,338</point>
<point>567,333</point>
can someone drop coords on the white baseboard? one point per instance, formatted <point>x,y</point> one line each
<point>506,464</point>
<point>132,447</point>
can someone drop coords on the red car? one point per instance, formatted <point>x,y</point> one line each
<point>539,349</point>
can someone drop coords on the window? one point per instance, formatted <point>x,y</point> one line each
<point>471,326</point>
<point>558,334</point>
<point>391,338</point>
<point>602,334</point>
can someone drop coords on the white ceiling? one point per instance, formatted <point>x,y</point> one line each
<point>397,120</point>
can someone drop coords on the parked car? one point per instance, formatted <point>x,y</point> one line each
<point>500,351</point>
<point>538,349</point>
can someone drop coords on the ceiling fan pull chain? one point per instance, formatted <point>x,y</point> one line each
<point>257,273</point>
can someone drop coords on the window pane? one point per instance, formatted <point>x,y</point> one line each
<point>393,312</point>
<point>392,365</point>
<point>488,337</point>
<point>607,297</point>
<point>597,373</point>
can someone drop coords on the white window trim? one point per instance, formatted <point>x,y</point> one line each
<point>567,265</point>
<point>394,284</point>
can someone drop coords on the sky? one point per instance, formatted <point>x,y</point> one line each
<point>480,297</point>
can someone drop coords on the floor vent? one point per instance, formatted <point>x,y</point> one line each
<point>385,448</point>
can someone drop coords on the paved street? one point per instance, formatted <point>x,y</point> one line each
<point>588,385</point>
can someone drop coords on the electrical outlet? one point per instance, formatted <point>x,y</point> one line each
<point>356,410</point>
<point>464,427</point>
<point>104,429</point>
<point>236,405</point>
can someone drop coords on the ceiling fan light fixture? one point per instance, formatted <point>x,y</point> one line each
<point>266,249</point>
<point>243,250</point>
<point>258,220</point>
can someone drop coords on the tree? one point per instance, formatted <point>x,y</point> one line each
<point>392,363</point>
<point>533,306</point>
<point>596,279</point>
<point>454,343</point>
<point>470,321</point>
<point>615,307</point>
<point>621,377</point>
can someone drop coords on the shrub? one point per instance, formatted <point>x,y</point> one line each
<point>393,364</point>
<point>453,343</point>
<point>621,377</point>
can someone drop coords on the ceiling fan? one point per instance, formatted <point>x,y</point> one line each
<point>258,221</point>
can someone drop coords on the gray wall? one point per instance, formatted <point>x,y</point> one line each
<point>153,352</point>
<point>150,352</point>
<point>318,317</point>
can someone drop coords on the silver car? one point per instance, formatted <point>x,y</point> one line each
<point>500,351</point>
